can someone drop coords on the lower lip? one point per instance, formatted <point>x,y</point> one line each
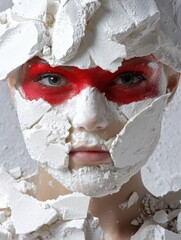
<point>90,157</point>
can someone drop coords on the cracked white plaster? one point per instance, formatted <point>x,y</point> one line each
<point>72,206</point>
<point>84,33</point>
<point>26,10</point>
<point>53,219</point>
<point>126,150</point>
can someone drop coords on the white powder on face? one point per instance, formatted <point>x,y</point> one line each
<point>95,181</point>
<point>84,33</point>
<point>47,132</point>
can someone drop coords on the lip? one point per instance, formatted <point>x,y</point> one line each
<point>95,154</point>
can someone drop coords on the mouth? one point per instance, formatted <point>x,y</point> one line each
<point>90,155</point>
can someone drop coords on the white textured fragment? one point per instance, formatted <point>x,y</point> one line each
<point>74,206</point>
<point>21,41</point>
<point>133,199</point>
<point>179,223</point>
<point>170,34</point>
<point>70,26</point>
<point>15,172</point>
<point>4,234</point>
<point>36,110</point>
<point>149,231</point>
<point>71,230</point>
<point>56,156</point>
<point>148,134</point>
<point>160,217</point>
<point>30,9</point>
<point>28,214</point>
<point>2,216</point>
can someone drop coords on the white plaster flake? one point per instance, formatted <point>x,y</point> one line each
<point>4,234</point>
<point>36,110</point>
<point>148,135</point>
<point>26,9</point>
<point>74,206</point>
<point>89,33</point>
<point>20,44</point>
<point>26,220</point>
<point>55,156</point>
<point>69,28</point>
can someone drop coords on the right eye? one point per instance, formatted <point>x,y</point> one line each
<point>52,80</point>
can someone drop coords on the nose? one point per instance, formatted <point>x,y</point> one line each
<point>91,113</point>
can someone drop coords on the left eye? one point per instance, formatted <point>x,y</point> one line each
<point>52,80</point>
<point>129,79</point>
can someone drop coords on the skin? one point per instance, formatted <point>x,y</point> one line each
<point>145,84</point>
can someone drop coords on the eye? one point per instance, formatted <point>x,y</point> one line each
<point>129,79</point>
<point>52,80</point>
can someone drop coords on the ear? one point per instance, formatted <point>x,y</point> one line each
<point>173,81</point>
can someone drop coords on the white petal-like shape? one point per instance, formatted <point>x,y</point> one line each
<point>30,9</point>
<point>20,42</point>
<point>126,150</point>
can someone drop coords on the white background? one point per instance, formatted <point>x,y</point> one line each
<point>160,175</point>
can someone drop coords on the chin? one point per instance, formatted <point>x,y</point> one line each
<point>95,181</point>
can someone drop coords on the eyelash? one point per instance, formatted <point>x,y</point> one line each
<point>140,77</point>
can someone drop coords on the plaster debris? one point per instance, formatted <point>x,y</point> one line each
<point>148,134</point>
<point>74,206</point>
<point>133,199</point>
<point>178,225</point>
<point>4,234</point>
<point>150,231</point>
<point>28,43</point>
<point>160,217</point>
<point>85,229</point>
<point>74,33</point>
<point>15,172</point>
<point>36,110</point>
<point>28,215</point>
<point>2,217</point>
<point>26,9</point>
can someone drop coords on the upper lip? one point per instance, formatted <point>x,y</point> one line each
<point>97,148</point>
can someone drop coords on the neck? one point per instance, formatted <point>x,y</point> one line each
<point>115,217</point>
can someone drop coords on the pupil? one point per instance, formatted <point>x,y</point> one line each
<point>129,78</point>
<point>54,79</point>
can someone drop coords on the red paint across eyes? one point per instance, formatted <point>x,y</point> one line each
<point>74,80</point>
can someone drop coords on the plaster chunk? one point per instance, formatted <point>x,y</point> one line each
<point>71,230</point>
<point>70,25</point>
<point>160,217</point>
<point>74,206</point>
<point>2,217</point>
<point>179,223</point>
<point>150,231</point>
<point>28,44</point>
<point>36,110</point>
<point>27,213</point>
<point>38,142</point>
<point>31,9</point>
<point>151,116</point>
<point>15,172</point>
<point>133,199</point>
<point>4,234</point>
<point>58,161</point>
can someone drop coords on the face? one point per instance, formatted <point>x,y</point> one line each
<point>91,129</point>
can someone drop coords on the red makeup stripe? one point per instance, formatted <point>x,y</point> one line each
<point>78,79</point>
